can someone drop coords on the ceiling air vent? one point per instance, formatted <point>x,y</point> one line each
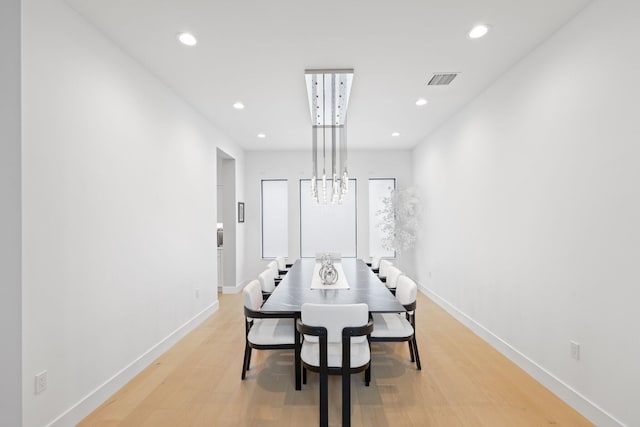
<point>440,79</point>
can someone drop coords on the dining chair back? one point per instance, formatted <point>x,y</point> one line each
<point>375,263</point>
<point>283,268</point>
<point>393,274</point>
<point>252,295</point>
<point>335,317</point>
<point>267,282</point>
<point>384,269</point>
<point>406,290</point>
<point>273,266</point>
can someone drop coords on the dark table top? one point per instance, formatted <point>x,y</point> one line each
<point>364,287</point>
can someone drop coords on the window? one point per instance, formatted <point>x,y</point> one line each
<point>330,227</point>
<point>275,218</point>
<point>379,188</point>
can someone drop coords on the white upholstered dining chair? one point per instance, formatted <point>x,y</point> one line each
<point>335,342</point>
<point>398,327</point>
<point>264,331</point>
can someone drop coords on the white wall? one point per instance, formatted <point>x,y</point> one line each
<point>296,165</point>
<point>10,222</point>
<point>119,215</point>
<point>532,202</point>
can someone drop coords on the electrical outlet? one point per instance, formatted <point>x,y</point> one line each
<point>197,293</point>
<point>41,382</point>
<point>575,350</point>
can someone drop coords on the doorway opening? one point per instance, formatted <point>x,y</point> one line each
<point>226,221</point>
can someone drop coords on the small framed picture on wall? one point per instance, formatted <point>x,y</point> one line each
<point>240,211</point>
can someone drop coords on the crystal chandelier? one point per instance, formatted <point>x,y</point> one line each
<point>328,92</point>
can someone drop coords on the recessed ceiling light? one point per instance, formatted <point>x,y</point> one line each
<point>187,39</point>
<point>261,135</point>
<point>395,134</point>
<point>420,102</point>
<point>478,31</point>
<point>238,105</point>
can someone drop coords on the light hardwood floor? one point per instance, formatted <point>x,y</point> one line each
<point>463,382</point>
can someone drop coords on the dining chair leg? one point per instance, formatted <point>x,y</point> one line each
<point>324,399</point>
<point>346,397</point>
<point>415,349</point>
<point>367,376</point>
<point>246,360</point>
<point>410,342</point>
<point>297,363</point>
<point>304,375</point>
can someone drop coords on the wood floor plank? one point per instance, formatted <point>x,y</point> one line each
<point>463,382</point>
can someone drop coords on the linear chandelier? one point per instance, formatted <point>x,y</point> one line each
<point>328,92</point>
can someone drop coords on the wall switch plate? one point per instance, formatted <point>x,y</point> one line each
<point>575,350</point>
<point>41,382</point>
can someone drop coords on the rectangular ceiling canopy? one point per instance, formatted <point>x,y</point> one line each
<point>328,92</point>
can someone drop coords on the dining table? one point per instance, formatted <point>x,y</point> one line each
<point>356,284</point>
<point>364,286</point>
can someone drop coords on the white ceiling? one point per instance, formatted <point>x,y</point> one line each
<point>256,51</point>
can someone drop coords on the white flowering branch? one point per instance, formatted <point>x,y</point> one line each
<point>399,219</point>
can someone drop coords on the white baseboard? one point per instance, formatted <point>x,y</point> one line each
<point>580,403</point>
<point>84,407</point>
<point>234,289</point>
